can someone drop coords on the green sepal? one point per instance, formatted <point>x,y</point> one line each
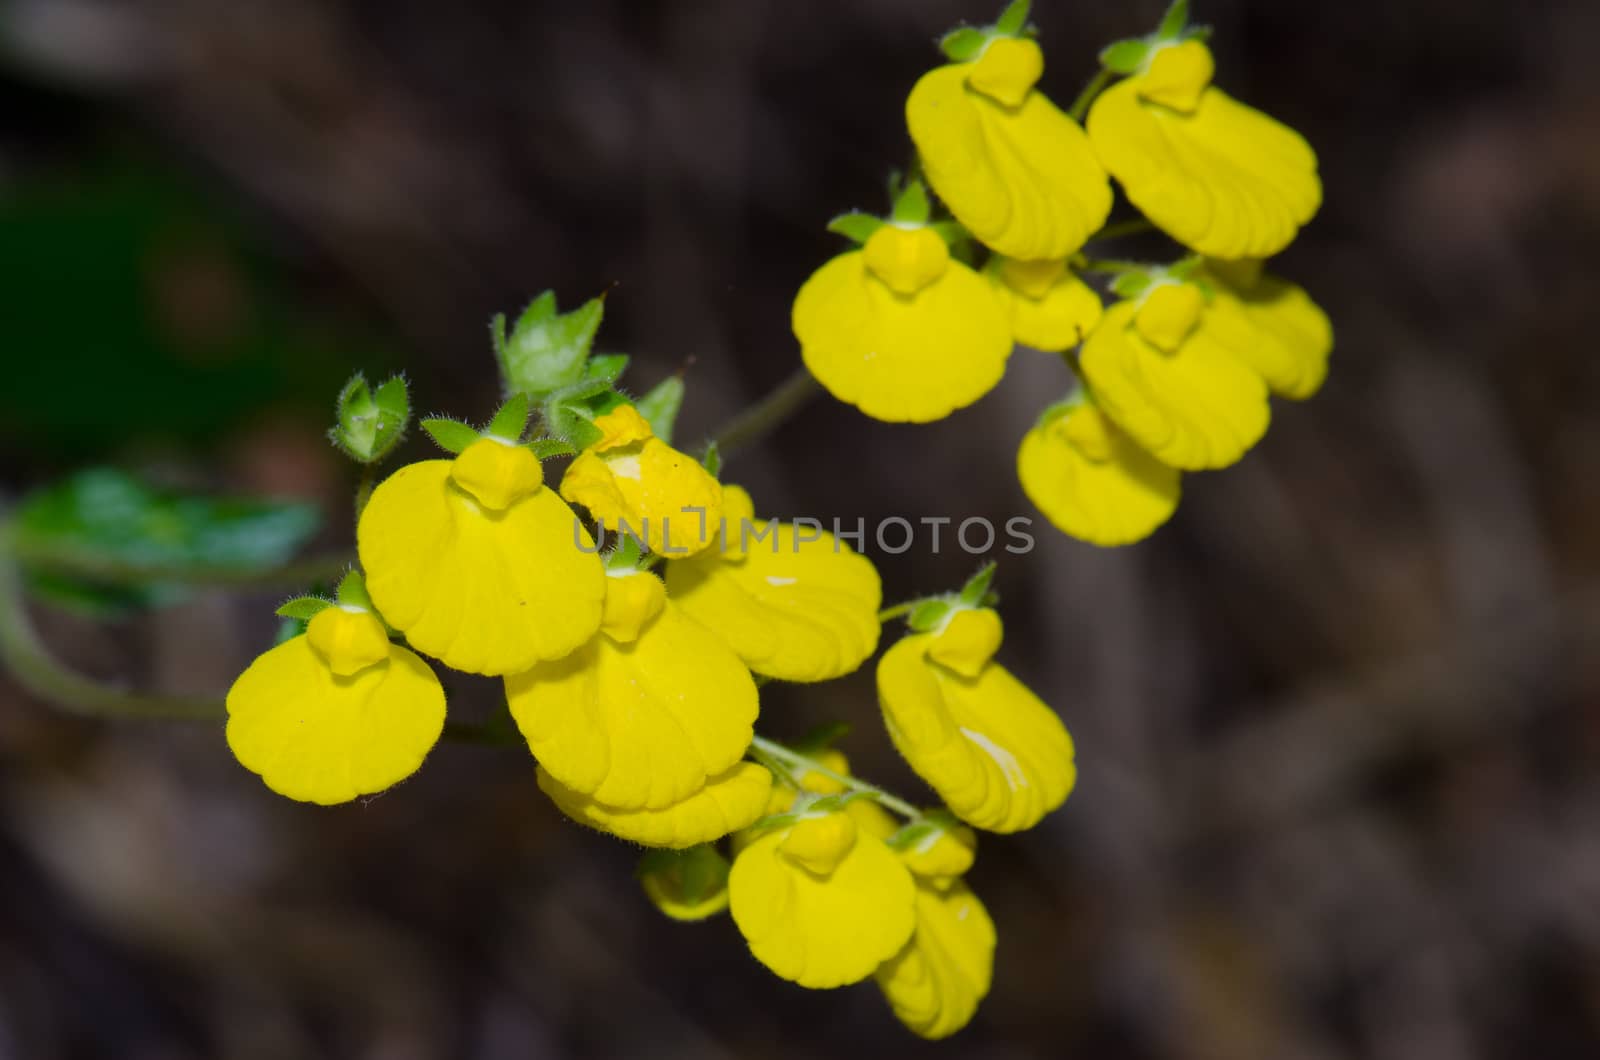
<point>822,737</point>
<point>1057,409</point>
<point>954,233</point>
<point>287,630</point>
<point>660,406</point>
<point>856,225</point>
<point>304,608</point>
<point>545,448</point>
<point>1174,21</point>
<point>368,424</point>
<point>833,803</point>
<point>511,420</point>
<point>930,614</point>
<point>1014,19</point>
<point>1132,283</point>
<point>452,436</point>
<point>911,205</point>
<point>694,875</point>
<point>915,832</point>
<point>352,591</point>
<point>712,460</point>
<point>964,43</point>
<point>582,391</point>
<point>1125,56</point>
<point>977,588</point>
<point>547,349</point>
<point>607,367</point>
<point>626,555</point>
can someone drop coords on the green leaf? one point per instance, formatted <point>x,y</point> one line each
<point>545,448</point>
<point>1125,56</point>
<point>581,391</point>
<point>911,206</point>
<point>367,426</point>
<point>954,233</point>
<point>96,601</point>
<point>352,591</point>
<point>1013,18</point>
<point>660,406</point>
<point>930,614</point>
<point>304,608</point>
<point>103,525</point>
<point>512,419</point>
<point>712,460</point>
<point>962,45</point>
<point>452,436</point>
<point>1173,21</point>
<point>548,349</point>
<point>856,225</point>
<point>606,367</point>
<point>625,555</point>
<point>977,586</point>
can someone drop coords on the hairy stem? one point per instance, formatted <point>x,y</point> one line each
<point>767,414</point>
<point>787,757</point>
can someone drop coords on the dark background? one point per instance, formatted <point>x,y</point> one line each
<point>1338,723</point>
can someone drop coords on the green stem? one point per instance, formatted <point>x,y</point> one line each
<point>364,490</point>
<point>38,671</point>
<point>760,746</point>
<point>765,415</point>
<point>1132,227</point>
<point>1080,106</point>
<point>1107,265</point>
<point>890,613</point>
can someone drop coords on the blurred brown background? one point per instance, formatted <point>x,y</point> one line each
<point>1338,723</point>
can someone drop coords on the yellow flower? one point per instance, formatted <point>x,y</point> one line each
<point>1157,368</point>
<point>335,713</point>
<point>935,983</point>
<point>819,903</point>
<point>688,884</point>
<point>726,803</point>
<point>998,756</point>
<point>478,564</point>
<point>1213,173</point>
<point>943,853</point>
<point>632,481</point>
<point>643,713</point>
<point>900,330</point>
<point>1016,171</point>
<point>1271,325</point>
<point>1091,480</point>
<point>1049,307</point>
<point>795,606</point>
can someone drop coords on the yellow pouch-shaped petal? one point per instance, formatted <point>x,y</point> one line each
<point>641,724</point>
<point>935,983</point>
<point>1223,179</point>
<point>482,591</point>
<point>1110,493</point>
<point>901,359</point>
<point>1195,408</point>
<point>1274,327</point>
<point>998,756</point>
<point>797,610</point>
<point>726,803</point>
<point>316,736</point>
<point>633,482</point>
<point>1022,179</point>
<point>1048,306</point>
<point>821,930</point>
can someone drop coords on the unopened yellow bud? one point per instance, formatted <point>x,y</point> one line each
<point>943,854</point>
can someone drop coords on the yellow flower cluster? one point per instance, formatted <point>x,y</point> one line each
<point>1174,374</point>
